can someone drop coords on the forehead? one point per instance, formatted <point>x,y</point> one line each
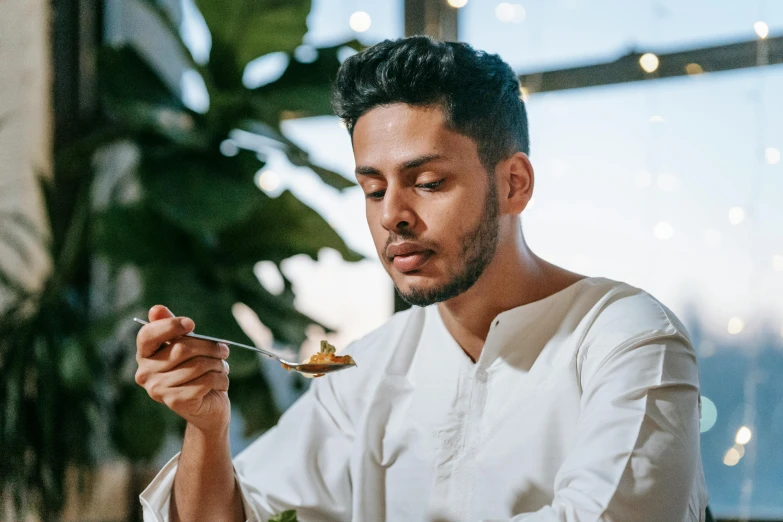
<point>398,132</point>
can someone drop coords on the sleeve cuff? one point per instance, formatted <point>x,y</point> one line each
<point>155,499</point>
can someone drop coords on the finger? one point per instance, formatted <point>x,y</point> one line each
<point>162,386</point>
<point>175,354</point>
<point>183,349</point>
<point>190,393</point>
<point>153,335</point>
<point>192,369</point>
<point>158,312</point>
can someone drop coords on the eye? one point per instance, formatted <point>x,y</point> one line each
<point>376,196</point>
<point>431,185</point>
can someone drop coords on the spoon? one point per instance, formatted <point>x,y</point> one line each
<point>304,368</point>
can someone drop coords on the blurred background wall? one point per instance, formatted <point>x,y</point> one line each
<point>195,162</point>
<point>26,126</point>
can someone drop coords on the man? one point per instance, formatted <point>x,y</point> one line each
<point>513,390</point>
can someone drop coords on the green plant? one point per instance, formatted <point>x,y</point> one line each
<point>193,234</point>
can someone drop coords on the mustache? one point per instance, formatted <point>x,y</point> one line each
<point>405,235</point>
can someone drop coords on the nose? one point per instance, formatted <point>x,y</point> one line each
<point>397,215</point>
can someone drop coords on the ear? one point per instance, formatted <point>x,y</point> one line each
<point>516,181</point>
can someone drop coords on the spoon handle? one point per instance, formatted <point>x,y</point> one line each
<point>224,341</point>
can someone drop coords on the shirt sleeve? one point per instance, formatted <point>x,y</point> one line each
<point>636,455</point>
<point>302,463</point>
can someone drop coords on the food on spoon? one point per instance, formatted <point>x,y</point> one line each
<point>327,355</point>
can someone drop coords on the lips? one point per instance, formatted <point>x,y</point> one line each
<point>407,257</point>
<point>411,262</point>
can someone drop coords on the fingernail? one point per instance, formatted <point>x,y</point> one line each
<point>187,323</point>
<point>224,346</point>
<point>226,365</point>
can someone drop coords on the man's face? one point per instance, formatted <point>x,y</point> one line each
<point>431,206</point>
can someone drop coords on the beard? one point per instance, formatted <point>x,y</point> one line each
<point>478,249</point>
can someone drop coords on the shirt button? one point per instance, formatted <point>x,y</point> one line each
<point>481,376</point>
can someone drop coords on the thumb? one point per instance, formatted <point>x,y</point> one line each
<point>158,312</point>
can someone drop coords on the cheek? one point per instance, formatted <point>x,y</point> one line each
<point>448,221</point>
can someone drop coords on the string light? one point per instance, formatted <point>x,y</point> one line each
<point>736,215</point>
<point>735,326</point>
<point>649,62</point>
<point>762,29</point>
<point>457,3</point>
<point>663,231</point>
<point>524,92</point>
<point>694,69</point>
<point>656,119</point>
<point>743,436</point>
<point>772,155</point>
<point>360,21</point>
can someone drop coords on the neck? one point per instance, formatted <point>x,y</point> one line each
<point>469,315</point>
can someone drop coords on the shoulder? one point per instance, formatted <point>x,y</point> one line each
<point>623,313</point>
<point>621,320</point>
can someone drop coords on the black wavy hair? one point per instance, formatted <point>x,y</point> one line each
<point>479,92</point>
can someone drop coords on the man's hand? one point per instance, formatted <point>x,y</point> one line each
<point>190,376</point>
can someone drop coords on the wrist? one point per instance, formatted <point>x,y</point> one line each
<point>207,436</point>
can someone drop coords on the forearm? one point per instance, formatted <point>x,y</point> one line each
<point>204,486</point>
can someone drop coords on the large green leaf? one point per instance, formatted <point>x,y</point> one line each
<point>136,97</point>
<point>203,194</point>
<point>252,28</point>
<point>280,228</point>
<point>138,234</point>
<point>123,74</point>
<point>188,292</point>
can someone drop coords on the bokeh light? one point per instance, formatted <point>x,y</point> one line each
<point>267,180</point>
<point>732,457</point>
<point>360,21</point>
<point>649,62</point>
<point>736,215</point>
<point>709,414</point>
<point>772,155</point>
<point>507,12</point>
<point>762,29</point>
<point>735,326</point>
<point>743,435</point>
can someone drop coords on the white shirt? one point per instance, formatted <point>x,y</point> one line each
<point>583,406</point>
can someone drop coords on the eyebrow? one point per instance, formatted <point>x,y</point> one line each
<point>406,165</point>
